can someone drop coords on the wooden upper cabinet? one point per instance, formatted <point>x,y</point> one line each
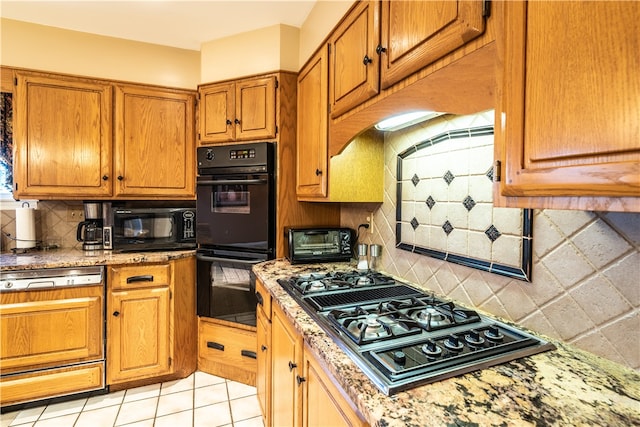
<point>217,112</point>
<point>155,142</point>
<point>416,33</point>
<point>354,68</point>
<point>62,137</point>
<point>569,102</point>
<point>313,115</point>
<point>238,111</point>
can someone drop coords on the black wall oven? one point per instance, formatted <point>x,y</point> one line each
<point>235,228</point>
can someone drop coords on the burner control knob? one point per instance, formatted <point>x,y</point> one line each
<point>431,349</point>
<point>453,343</point>
<point>399,357</point>
<point>493,333</point>
<point>473,338</point>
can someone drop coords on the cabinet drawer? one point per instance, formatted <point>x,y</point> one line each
<point>51,383</point>
<point>227,351</point>
<point>128,277</point>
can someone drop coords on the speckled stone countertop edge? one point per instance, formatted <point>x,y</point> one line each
<point>59,258</point>
<point>566,386</point>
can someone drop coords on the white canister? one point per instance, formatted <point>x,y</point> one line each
<point>25,228</point>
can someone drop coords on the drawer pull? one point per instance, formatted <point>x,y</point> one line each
<point>215,345</point>
<point>260,299</point>
<point>300,379</point>
<point>292,366</point>
<point>248,353</point>
<point>144,278</point>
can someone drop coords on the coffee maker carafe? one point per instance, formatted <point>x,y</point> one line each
<point>90,230</point>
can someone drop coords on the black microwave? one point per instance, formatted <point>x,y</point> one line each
<point>319,244</point>
<point>149,226</point>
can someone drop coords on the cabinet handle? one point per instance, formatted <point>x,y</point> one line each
<point>228,122</point>
<point>144,278</point>
<point>260,299</point>
<point>120,177</point>
<point>292,365</point>
<point>318,172</point>
<point>249,354</point>
<point>366,60</point>
<point>236,121</point>
<point>380,50</point>
<point>105,178</point>
<point>263,348</point>
<point>300,379</point>
<point>215,345</point>
<point>116,313</point>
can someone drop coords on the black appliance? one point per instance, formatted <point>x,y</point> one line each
<point>149,226</point>
<point>235,226</point>
<point>318,244</point>
<point>400,336</point>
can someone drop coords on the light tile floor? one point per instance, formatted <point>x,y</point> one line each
<point>198,400</point>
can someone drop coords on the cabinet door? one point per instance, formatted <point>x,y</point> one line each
<point>354,65</point>
<point>255,108</point>
<point>139,343</point>
<point>569,108</point>
<point>263,375</point>
<point>62,137</point>
<point>323,402</point>
<point>48,328</point>
<point>286,353</point>
<point>416,33</point>
<point>217,113</point>
<point>155,143</point>
<point>312,162</point>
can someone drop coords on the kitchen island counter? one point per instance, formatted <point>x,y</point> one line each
<point>59,258</point>
<point>565,386</point>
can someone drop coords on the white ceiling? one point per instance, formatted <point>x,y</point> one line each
<point>178,23</point>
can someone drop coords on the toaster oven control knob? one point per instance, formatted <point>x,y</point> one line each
<point>431,349</point>
<point>493,334</point>
<point>399,357</point>
<point>473,338</point>
<point>209,155</point>
<point>453,343</point>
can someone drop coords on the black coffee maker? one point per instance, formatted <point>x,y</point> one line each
<point>90,230</point>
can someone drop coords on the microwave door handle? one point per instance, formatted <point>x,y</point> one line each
<point>233,181</point>
<point>237,261</point>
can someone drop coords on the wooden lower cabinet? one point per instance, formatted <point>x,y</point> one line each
<point>302,393</point>
<point>151,322</point>
<point>323,402</point>
<point>227,350</point>
<point>263,333</point>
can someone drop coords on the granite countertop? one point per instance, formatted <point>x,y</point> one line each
<point>77,258</point>
<point>565,386</point>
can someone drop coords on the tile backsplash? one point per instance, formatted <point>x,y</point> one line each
<point>585,286</point>
<point>52,226</point>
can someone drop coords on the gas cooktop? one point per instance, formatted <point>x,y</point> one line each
<point>400,336</point>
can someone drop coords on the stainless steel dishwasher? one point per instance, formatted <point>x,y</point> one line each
<point>52,334</point>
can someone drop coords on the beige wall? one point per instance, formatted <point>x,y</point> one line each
<point>39,47</point>
<point>254,52</point>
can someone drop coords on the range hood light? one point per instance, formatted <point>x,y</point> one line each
<point>404,120</point>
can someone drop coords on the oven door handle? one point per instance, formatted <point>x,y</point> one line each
<point>219,259</point>
<point>233,181</point>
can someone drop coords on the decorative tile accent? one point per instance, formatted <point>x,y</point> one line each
<point>430,202</point>
<point>489,174</point>
<point>492,233</point>
<point>448,177</point>
<point>468,203</point>
<point>465,205</point>
<point>447,227</point>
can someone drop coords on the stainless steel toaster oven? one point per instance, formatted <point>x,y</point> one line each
<point>328,244</point>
